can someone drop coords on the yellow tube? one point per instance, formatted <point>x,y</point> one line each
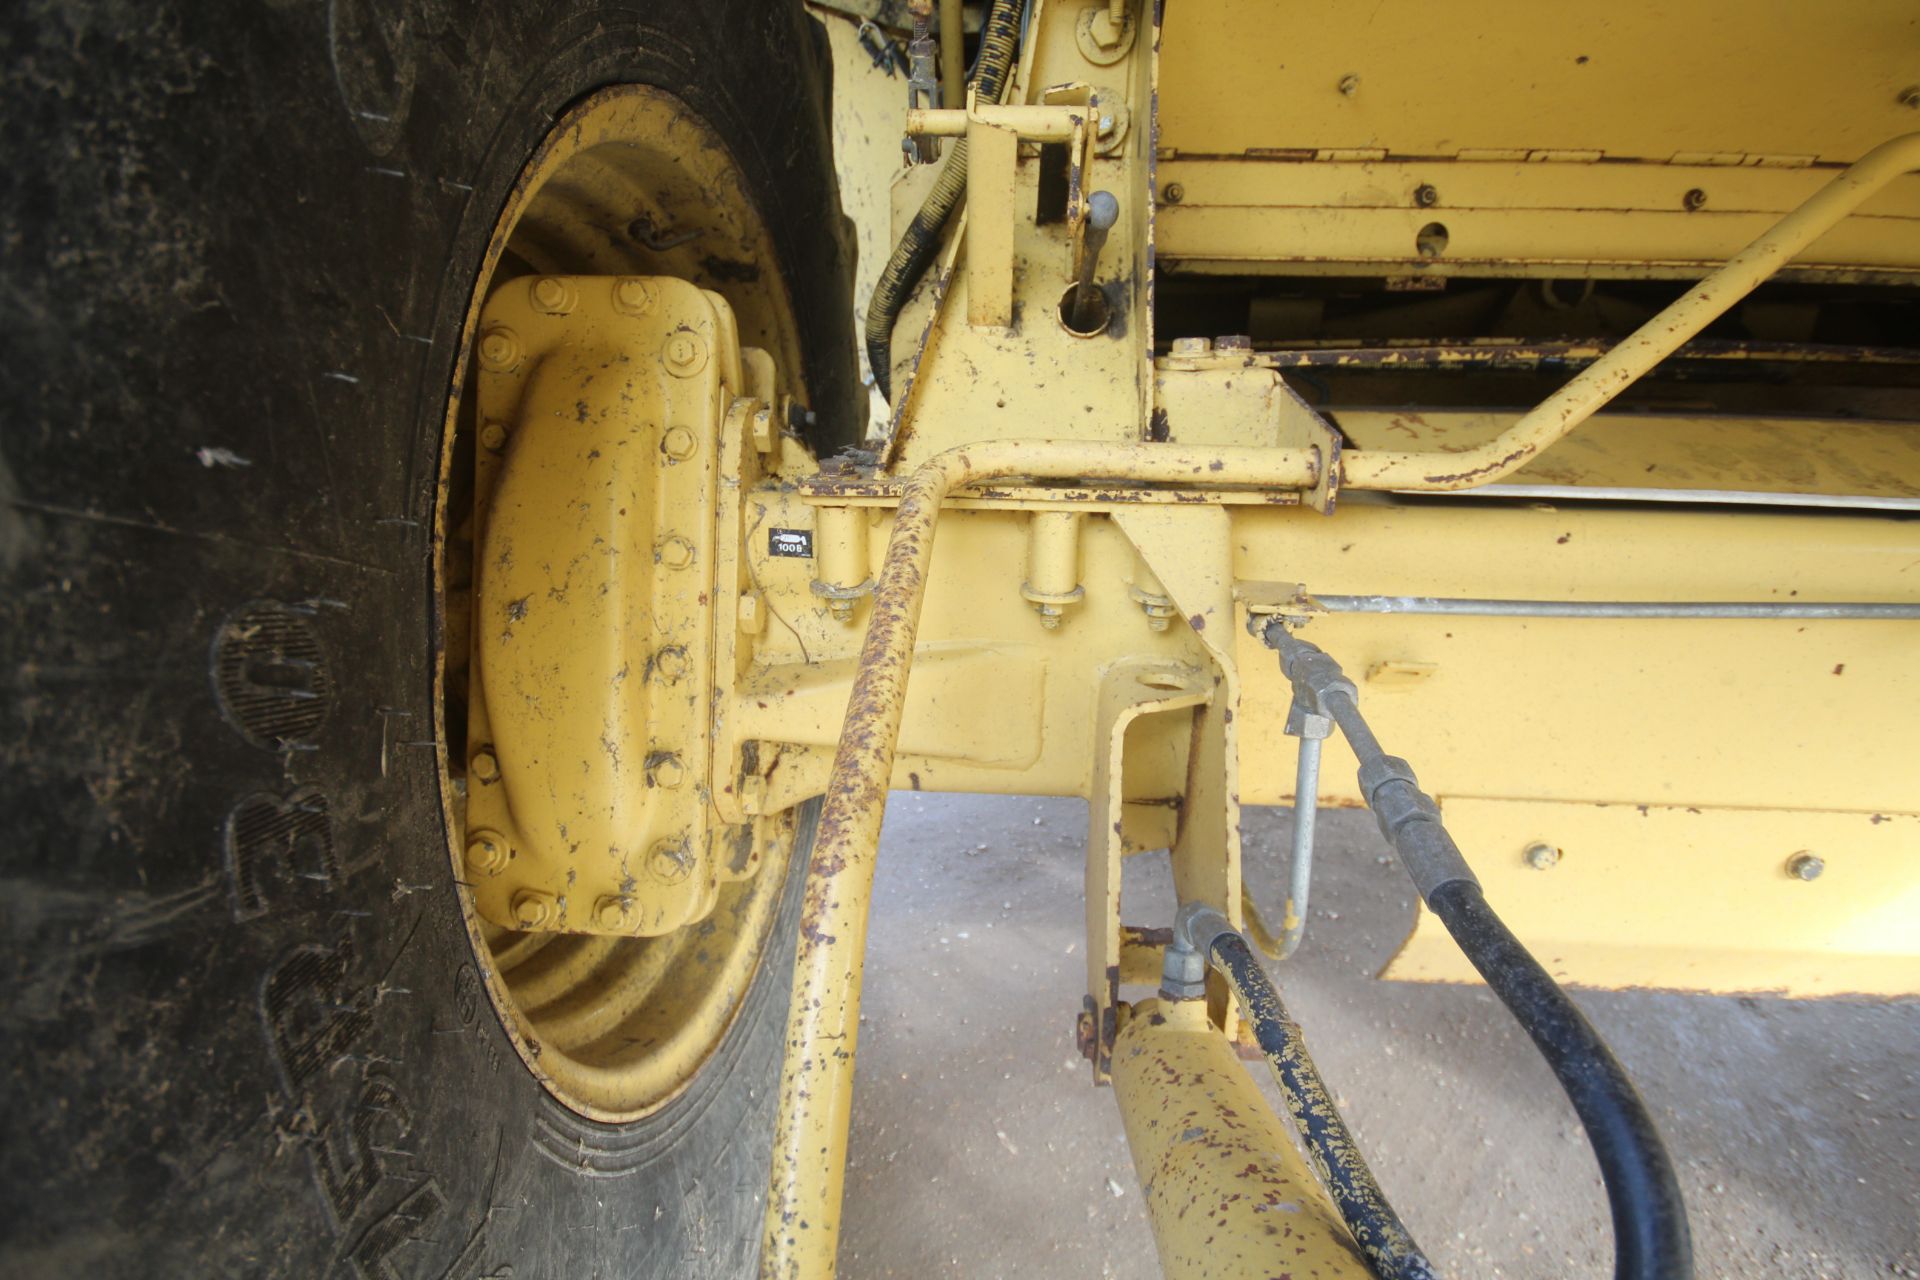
<point>953,55</point>
<point>1646,347</point>
<point>1228,1193</point>
<point>816,1079</point>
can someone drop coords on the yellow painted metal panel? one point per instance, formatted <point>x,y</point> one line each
<point>1639,78</point>
<point>1682,896</point>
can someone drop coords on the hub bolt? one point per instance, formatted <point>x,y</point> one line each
<point>1541,856</point>
<point>670,861</point>
<point>671,663</point>
<point>486,854</point>
<point>686,355</point>
<point>613,914</point>
<point>633,295</point>
<point>493,437</point>
<point>1806,866</point>
<point>677,443</point>
<point>673,551</point>
<point>532,908</point>
<point>500,350</point>
<point>485,767</point>
<point>552,295</point>
<point>665,771</point>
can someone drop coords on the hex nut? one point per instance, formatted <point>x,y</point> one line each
<point>1541,856</point>
<point>1426,195</point>
<point>1173,193</point>
<point>552,295</point>
<point>1190,346</point>
<point>671,664</point>
<point>670,861</point>
<point>1696,198</point>
<point>665,770</point>
<point>1806,866</point>
<point>673,551</point>
<point>532,908</point>
<point>677,443</point>
<point>685,354</point>
<point>613,914</point>
<point>485,767</point>
<point>486,854</point>
<point>633,295</point>
<point>493,436</point>
<point>500,350</point>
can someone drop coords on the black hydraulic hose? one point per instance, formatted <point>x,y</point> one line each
<point>1384,1240</point>
<point>1650,1235</point>
<point>993,68</point>
<point>1651,1238</point>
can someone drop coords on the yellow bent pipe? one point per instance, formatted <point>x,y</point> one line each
<point>816,1080</point>
<point>1647,346</point>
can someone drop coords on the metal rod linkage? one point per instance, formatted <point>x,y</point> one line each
<point>1758,609</point>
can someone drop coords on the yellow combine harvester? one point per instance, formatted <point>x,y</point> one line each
<point>465,629</point>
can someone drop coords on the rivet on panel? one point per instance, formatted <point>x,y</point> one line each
<point>1541,855</point>
<point>1806,866</point>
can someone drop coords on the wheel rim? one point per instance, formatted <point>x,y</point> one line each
<point>630,182</point>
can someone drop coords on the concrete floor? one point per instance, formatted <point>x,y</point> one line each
<point>981,1149</point>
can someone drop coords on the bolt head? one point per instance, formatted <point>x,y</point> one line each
<point>1910,97</point>
<point>673,551</point>
<point>486,854</point>
<point>1190,346</point>
<point>1173,193</point>
<point>685,354</point>
<point>671,664</point>
<point>1349,84</point>
<point>532,909</point>
<point>677,443</point>
<point>841,610</point>
<point>1806,866</point>
<point>493,436</point>
<point>500,350</point>
<point>552,295</point>
<point>613,914</point>
<point>485,767</point>
<point>633,295</point>
<point>670,861</point>
<point>665,770</point>
<point>1049,616</point>
<point>1542,856</point>
<point>1426,195</point>
<point>1694,199</point>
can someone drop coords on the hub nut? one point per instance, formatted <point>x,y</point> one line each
<point>670,861</point>
<point>532,908</point>
<point>665,771</point>
<point>677,443</point>
<point>633,295</point>
<point>613,914</point>
<point>485,767</point>
<point>1541,856</point>
<point>500,350</point>
<point>552,295</point>
<point>685,354</point>
<point>486,854</point>
<point>493,437</point>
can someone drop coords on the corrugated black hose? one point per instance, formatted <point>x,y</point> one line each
<point>1384,1240</point>
<point>992,70</point>
<point>1651,1238</point>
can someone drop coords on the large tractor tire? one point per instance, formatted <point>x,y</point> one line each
<point>247,1028</point>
